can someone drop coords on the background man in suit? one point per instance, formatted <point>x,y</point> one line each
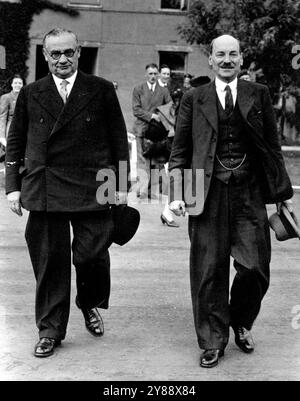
<point>164,76</point>
<point>146,98</point>
<point>67,126</point>
<point>227,128</point>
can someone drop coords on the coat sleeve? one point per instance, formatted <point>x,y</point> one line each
<point>277,186</point>
<point>16,144</point>
<point>181,153</point>
<point>182,146</point>
<point>118,139</point>
<point>4,107</point>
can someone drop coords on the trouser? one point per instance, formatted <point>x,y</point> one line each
<point>234,223</point>
<point>49,243</point>
<point>148,184</point>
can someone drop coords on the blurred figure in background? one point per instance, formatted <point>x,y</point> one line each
<point>244,75</point>
<point>187,82</point>
<point>164,76</point>
<point>7,108</point>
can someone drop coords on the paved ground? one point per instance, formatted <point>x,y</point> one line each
<point>149,333</point>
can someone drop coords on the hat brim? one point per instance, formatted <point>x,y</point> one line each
<point>291,218</point>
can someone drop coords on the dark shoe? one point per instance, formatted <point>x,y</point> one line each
<point>169,223</point>
<point>45,347</point>
<point>93,320</point>
<point>210,357</point>
<point>243,339</point>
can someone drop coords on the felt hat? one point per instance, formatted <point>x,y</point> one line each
<point>126,222</point>
<point>284,224</point>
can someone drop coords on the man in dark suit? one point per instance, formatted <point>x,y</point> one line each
<point>146,98</point>
<point>227,130</point>
<point>66,128</point>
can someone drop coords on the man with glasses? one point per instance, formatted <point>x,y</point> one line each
<point>67,126</point>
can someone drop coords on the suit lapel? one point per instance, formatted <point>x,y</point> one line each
<point>245,98</point>
<point>48,97</point>
<point>208,103</point>
<point>81,94</point>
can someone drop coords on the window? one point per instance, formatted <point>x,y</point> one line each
<point>174,4</point>
<point>177,62</point>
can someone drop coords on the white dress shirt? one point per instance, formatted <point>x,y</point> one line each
<point>151,86</point>
<point>71,81</point>
<point>161,83</point>
<point>221,92</point>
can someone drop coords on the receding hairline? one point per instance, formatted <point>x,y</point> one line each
<point>228,36</point>
<point>59,32</point>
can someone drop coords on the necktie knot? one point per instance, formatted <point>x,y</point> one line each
<point>63,90</point>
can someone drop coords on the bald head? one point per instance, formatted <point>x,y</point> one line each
<point>225,58</point>
<point>224,38</point>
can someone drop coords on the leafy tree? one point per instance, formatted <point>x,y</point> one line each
<point>267,30</point>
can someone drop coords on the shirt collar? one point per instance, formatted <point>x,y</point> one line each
<point>220,85</point>
<point>150,85</point>
<point>161,83</point>
<point>71,79</point>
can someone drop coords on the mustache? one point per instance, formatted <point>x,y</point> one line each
<point>227,65</point>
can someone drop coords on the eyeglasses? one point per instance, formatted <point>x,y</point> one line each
<point>56,54</point>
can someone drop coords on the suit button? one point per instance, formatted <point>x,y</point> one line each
<point>88,119</point>
<point>42,120</point>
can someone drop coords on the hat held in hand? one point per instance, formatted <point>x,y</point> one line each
<point>126,222</point>
<point>284,224</point>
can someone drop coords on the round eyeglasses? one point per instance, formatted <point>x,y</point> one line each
<point>56,54</point>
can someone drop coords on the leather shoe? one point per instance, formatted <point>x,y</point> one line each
<point>93,320</point>
<point>45,347</point>
<point>243,339</point>
<point>169,223</point>
<point>210,357</point>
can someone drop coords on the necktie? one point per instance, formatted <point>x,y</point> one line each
<point>63,90</point>
<point>228,100</point>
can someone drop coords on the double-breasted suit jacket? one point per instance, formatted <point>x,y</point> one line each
<point>195,141</point>
<point>63,148</point>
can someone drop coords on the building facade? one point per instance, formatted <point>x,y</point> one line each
<point>118,39</point>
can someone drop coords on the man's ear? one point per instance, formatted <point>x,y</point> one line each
<point>210,61</point>
<point>45,55</point>
<point>79,51</point>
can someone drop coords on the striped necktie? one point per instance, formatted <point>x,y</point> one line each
<point>63,90</point>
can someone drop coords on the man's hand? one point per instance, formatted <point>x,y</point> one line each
<point>3,141</point>
<point>288,204</point>
<point>121,198</point>
<point>14,202</point>
<point>177,207</point>
<point>155,117</point>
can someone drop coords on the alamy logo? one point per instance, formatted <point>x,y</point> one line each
<point>296,317</point>
<point>187,184</point>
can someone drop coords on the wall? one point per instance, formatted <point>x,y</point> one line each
<point>127,33</point>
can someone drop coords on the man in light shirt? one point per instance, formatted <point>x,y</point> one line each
<point>66,127</point>
<point>164,76</point>
<point>227,129</point>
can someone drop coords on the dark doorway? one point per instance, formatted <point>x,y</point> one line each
<point>87,61</point>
